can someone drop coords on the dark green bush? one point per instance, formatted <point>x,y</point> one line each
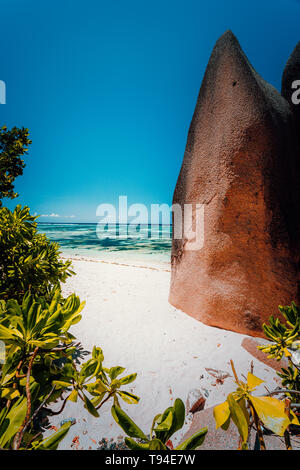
<point>13,147</point>
<point>41,366</point>
<point>29,261</point>
<point>285,342</point>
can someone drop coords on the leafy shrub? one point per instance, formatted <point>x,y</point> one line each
<point>28,260</point>
<point>285,338</point>
<point>13,145</point>
<point>40,367</point>
<point>163,427</point>
<point>241,406</point>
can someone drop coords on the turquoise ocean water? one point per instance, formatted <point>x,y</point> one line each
<point>147,243</point>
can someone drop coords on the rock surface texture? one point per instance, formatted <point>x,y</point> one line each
<point>291,75</point>
<point>217,439</point>
<point>242,163</point>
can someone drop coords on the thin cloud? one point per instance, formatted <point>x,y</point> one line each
<point>53,215</point>
<point>50,215</point>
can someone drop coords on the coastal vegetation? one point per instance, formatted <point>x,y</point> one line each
<point>29,261</point>
<point>279,416</point>
<point>285,342</point>
<point>42,368</point>
<point>41,364</point>
<point>163,427</point>
<point>13,146</point>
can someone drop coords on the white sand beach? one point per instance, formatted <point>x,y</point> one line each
<point>128,315</point>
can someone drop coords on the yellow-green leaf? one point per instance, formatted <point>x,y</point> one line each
<point>272,413</point>
<point>52,442</point>
<point>221,414</point>
<point>10,393</point>
<point>243,406</point>
<point>129,397</point>
<point>61,383</point>
<point>14,418</point>
<point>253,381</point>
<point>157,444</point>
<point>133,445</point>
<point>128,379</point>
<point>126,423</point>
<point>73,396</point>
<point>287,352</point>
<point>238,417</point>
<point>166,424</point>
<point>193,442</point>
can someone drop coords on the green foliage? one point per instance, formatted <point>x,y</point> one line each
<point>28,260</point>
<point>39,368</point>
<point>282,335</point>
<point>241,406</point>
<point>35,323</point>
<point>285,339</point>
<point>290,379</point>
<point>52,442</point>
<point>13,145</point>
<point>163,427</point>
<point>11,420</point>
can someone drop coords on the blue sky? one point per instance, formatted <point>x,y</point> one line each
<point>108,90</point>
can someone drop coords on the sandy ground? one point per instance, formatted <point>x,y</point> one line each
<point>128,315</point>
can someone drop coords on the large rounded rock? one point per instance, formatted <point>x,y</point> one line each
<point>241,162</point>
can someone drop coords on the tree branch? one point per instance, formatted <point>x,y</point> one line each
<point>19,436</point>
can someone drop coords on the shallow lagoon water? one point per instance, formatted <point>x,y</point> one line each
<point>144,243</point>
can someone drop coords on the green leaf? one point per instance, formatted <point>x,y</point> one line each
<point>52,442</point>
<point>166,424</point>
<point>97,387</point>
<point>133,445</point>
<point>156,444</point>
<point>126,423</point>
<point>10,365</point>
<point>47,344</point>
<point>90,407</point>
<point>33,314</point>
<point>10,393</point>
<point>73,396</point>
<point>238,417</point>
<point>97,399</point>
<point>5,333</point>
<point>14,420</point>
<point>128,379</point>
<point>243,406</point>
<point>115,371</point>
<point>61,383</point>
<point>179,410</point>
<point>193,442</point>
<point>157,419</point>
<point>88,369</point>
<point>129,397</point>
<point>3,414</point>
